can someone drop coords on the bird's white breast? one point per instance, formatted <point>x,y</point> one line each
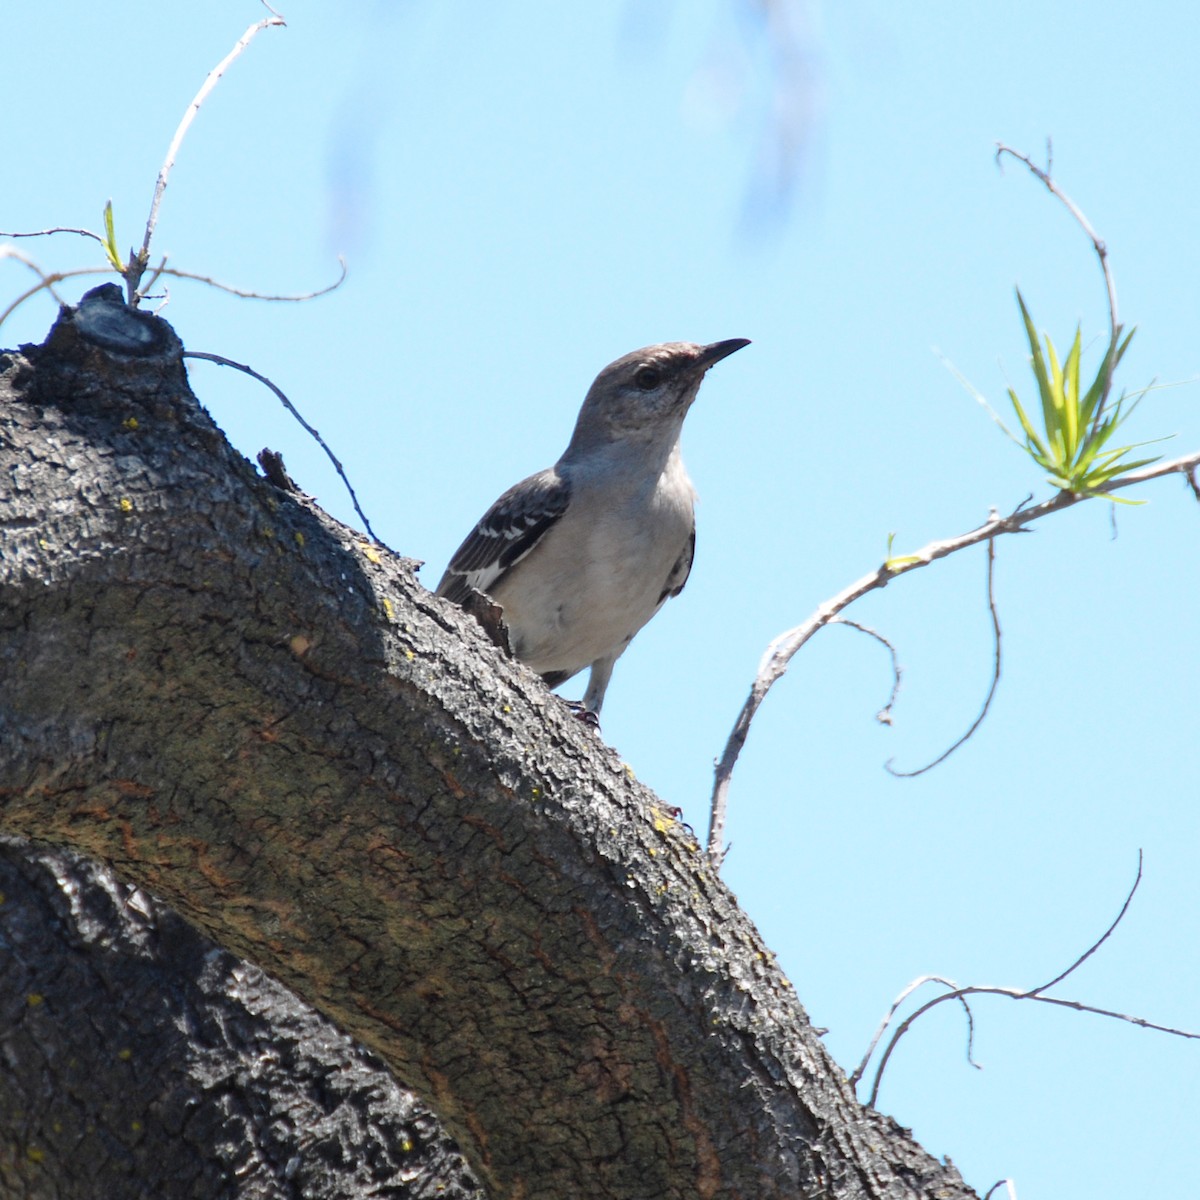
<point>604,567</point>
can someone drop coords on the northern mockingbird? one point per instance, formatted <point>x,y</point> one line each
<point>582,555</point>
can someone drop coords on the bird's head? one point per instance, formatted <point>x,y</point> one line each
<point>647,393</point>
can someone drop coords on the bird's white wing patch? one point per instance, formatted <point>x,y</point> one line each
<point>506,533</point>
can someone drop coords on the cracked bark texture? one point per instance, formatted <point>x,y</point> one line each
<point>140,1060</point>
<point>249,713</point>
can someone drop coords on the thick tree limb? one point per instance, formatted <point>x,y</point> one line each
<point>140,1061</point>
<point>333,773</point>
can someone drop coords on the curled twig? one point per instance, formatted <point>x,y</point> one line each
<point>1137,879</point>
<point>987,703</point>
<point>1002,1183</point>
<point>222,361</point>
<point>884,715</point>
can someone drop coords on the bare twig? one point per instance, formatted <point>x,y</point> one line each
<point>1016,994</point>
<point>987,703</point>
<point>135,268</point>
<point>1114,325</point>
<point>220,360</point>
<point>1002,1183</point>
<point>920,982</point>
<point>46,280</point>
<point>781,651</point>
<point>154,278</point>
<point>55,229</point>
<point>49,279</point>
<point>958,993</point>
<point>1100,940</point>
<point>138,260</point>
<point>175,273</point>
<point>884,715</point>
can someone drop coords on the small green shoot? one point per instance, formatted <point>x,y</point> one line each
<point>1073,446</point>
<point>110,241</point>
<point>900,561</point>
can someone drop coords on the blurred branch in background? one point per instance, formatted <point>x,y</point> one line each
<point>795,102</point>
<point>766,81</point>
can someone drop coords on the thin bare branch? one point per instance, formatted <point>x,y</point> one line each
<point>780,652</point>
<point>175,273</point>
<point>1036,994</point>
<point>154,278</point>
<point>55,229</point>
<point>173,150</point>
<point>46,281</point>
<point>1016,994</point>
<point>221,361</point>
<point>987,703</point>
<point>1098,244</point>
<point>1097,241</point>
<point>884,715</point>
<point>919,982</point>
<point>1100,940</point>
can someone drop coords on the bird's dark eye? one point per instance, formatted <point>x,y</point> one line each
<point>647,378</point>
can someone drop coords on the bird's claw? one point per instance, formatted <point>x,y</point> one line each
<point>585,715</point>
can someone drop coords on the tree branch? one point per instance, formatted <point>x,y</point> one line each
<point>222,361</point>
<point>884,715</point>
<point>1037,993</point>
<point>780,652</point>
<point>248,294</point>
<point>47,280</point>
<point>88,233</point>
<point>1097,241</point>
<point>164,172</point>
<point>333,773</point>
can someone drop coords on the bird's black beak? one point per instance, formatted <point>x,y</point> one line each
<point>715,351</point>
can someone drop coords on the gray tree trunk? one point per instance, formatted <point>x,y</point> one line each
<point>250,714</point>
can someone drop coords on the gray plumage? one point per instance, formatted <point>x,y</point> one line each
<point>582,555</point>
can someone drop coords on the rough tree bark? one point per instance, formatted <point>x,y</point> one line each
<point>141,1061</point>
<point>245,710</point>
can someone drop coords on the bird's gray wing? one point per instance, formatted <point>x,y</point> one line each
<point>680,571</point>
<point>506,533</point>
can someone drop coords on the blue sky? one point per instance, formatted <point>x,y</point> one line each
<point>525,191</point>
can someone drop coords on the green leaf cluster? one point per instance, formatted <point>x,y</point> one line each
<point>1073,445</point>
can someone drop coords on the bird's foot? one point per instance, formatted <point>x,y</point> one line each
<point>585,715</point>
